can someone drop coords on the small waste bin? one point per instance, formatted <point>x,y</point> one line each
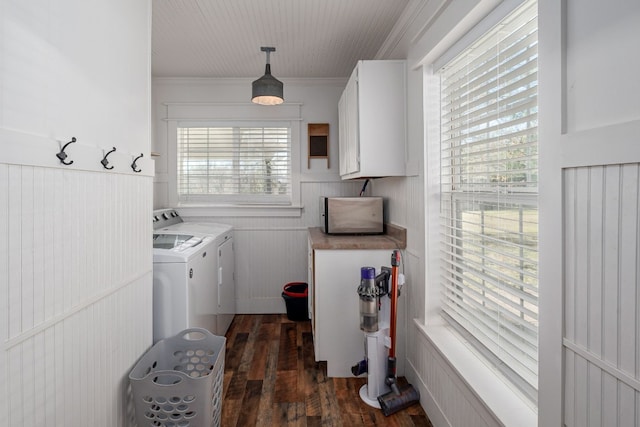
<point>295,296</point>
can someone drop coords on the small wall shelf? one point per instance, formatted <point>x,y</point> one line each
<point>318,142</point>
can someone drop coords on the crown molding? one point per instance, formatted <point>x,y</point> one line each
<point>230,81</point>
<point>399,30</point>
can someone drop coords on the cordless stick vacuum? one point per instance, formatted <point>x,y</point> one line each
<point>398,398</point>
<point>374,310</point>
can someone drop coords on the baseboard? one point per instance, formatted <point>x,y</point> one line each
<point>261,306</point>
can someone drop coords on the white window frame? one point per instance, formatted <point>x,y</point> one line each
<point>481,381</point>
<point>178,113</point>
<point>488,294</point>
<point>235,154</point>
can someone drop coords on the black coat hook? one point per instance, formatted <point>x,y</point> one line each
<point>134,166</point>
<point>104,160</point>
<point>62,155</point>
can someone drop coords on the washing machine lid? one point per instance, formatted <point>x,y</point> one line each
<point>175,242</point>
<point>212,229</point>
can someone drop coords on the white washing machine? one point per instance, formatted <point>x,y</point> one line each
<point>193,275</point>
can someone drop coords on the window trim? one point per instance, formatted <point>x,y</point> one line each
<point>505,402</point>
<point>236,155</point>
<point>525,379</point>
<point>478,380</point>
<point>233,112</point>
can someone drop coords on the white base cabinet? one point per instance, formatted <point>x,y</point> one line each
<point>334,276</point>
<point>372,121</point>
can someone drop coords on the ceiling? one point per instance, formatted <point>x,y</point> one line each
<point>313,38</point>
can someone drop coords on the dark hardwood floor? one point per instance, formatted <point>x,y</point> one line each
<point>271,379</point>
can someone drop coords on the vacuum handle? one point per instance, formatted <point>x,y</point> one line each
<point>395,258</point>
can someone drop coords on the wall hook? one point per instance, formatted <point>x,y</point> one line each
<point>62,155</point>
<point>134,166</point>
<point>104,160</point>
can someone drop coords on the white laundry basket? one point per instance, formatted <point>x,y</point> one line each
<point>178,382</point>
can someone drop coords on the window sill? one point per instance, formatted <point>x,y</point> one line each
<point>506,403</point>
<point>240,210</point>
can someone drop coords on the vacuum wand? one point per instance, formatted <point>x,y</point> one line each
<point>391,361</point>
<point>399,397</point>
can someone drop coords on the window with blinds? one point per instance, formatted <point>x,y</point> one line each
<point>237,164</point>
<point>489,184</point>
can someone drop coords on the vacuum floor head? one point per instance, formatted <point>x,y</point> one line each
<point>392,402</point>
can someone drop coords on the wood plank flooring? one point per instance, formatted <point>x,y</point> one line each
<point>271,379</point>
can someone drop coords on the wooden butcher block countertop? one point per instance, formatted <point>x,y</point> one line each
<point>394,238</point>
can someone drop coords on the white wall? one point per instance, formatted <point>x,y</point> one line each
<point>270,250</point>
<point>589,150</point>
<point>318,99</point>
<point>75,247</point>
<point>589,122</point>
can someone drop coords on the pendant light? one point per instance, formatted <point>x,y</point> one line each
<point>267,90</point>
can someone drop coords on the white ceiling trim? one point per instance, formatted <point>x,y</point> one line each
<point>399,31</point>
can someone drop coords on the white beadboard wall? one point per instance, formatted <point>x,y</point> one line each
<point>272,251</point>
<point>405,198</point>
<point>76,292</point>
<point>602,292</point>
<point>445,394</point>
<point>75,241</point>
<point>446,398</point>
<point>269,251</point>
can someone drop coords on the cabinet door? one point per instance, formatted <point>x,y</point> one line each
<point>311,281</point>
<point>226,282</point>
<point>342,133</point>
<point>202,296</point>
<point>348,127</point>
<point>338,338</point>
<point>372,112</point>
<point>382,115</point>
<point>353,128</point>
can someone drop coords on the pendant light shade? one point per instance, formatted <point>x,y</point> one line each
<point>267,90</point>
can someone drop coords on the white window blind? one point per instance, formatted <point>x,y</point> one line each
<point>247,163</point>
<point>489,184</point>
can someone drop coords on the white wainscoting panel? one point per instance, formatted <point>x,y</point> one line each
<point>602,295</point>
<point>444,395</point>
<point>75,292</point>
<point>394,191</point>
<point>414,288</point>
<point>416,246</point>
<point>272,251</point>
<point>265,261</point>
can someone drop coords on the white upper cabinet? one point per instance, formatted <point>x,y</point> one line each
<point>372,121</point>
